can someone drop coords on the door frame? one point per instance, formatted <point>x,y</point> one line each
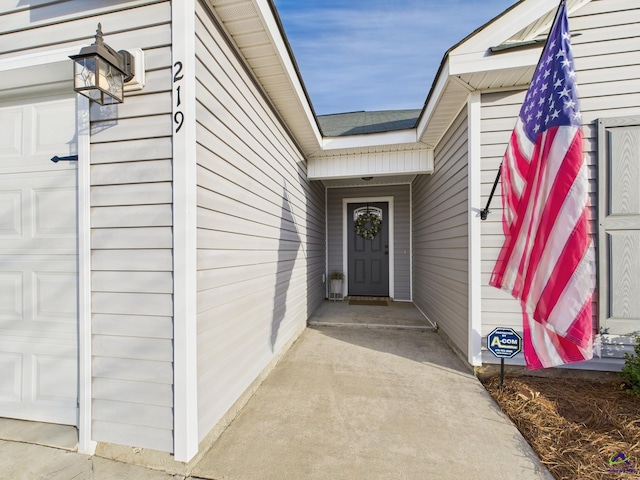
<point>345,240</point>
<point>52,67</point>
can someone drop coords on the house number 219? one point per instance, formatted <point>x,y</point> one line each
<point>178,116</point>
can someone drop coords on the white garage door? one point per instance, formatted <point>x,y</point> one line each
<point>38,260</point>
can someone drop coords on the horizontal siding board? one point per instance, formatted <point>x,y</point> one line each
<point>132,414</point>
<point>135,348</point>
<point>45,14</point>
<point>132,128</point>
<point>128,391</point>
<point>132,260</point>
<point>131,194</point>
<point>132,216</point>
<point>132,150</point>
<point>132,282</point>
<point>132,303</point>
<point>131,173</point>
<point>131,238</point>
<point>149,104</point>
<point>147,326</point>
<point>133,369</point>
<point>145,437</point>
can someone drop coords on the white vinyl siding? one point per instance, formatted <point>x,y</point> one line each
<point>260,229</point>
<point>607,59</point>
<point>440,237</point>
<point>131,223</point>
<point>498,113</point>
<point>131,216</point>
<point>401,226</point>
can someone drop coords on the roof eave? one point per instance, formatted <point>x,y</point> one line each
<point>369,140</point>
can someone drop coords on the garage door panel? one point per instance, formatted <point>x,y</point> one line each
<point>48,388</point>
<point>10,214</point>
<point>60,140</point>
<point>35,130</point>
<point>54,212</point>
<point>38,261</point>
<point>54,297</point>
<point>11,143</point>
<point>11,373</point>
<point>11,295</point>
<point>40,217</point>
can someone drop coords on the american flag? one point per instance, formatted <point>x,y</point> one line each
<point>547,260</point>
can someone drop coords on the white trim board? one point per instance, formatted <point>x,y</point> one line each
<point>83,126</point>
<point>474,230</point>
<point>185,357</point>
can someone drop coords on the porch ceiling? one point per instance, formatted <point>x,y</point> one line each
<point>374,161</point>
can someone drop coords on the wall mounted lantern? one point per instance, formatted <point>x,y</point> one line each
<point>99,72</point>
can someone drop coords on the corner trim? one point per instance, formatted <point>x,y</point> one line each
<point>83,126</point>
<point>185,357</point>
<point>474,179</point>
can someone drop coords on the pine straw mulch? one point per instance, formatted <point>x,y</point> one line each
<point>581,428</point>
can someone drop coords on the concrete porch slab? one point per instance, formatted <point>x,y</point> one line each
<point>370,403</point>
<point>393,315</point>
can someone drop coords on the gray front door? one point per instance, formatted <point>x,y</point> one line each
<point>368,258</point>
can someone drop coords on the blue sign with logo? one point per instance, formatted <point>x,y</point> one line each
<point>504,342</point>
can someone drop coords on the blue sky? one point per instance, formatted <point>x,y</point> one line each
<point>376,54</point>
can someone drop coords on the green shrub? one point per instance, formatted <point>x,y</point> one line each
<point>336,276</point>
<point>631,371</point>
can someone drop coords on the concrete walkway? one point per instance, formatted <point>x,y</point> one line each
<point>371,403</point>
<point>344,403</point>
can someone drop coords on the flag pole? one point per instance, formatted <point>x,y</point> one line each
<point>485,212</point>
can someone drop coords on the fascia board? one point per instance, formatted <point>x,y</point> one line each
<point>264,11</point>
<point>369,140</point>
<point>461,64</point>
<point>434,97</point>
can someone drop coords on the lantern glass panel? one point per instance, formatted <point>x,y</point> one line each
<point>98,80</point>
<point>84,73</point>
<point>110,81</point>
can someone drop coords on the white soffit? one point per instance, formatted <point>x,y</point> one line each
<point>254,30</point>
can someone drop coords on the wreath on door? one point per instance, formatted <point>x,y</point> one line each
<point>368,225</point>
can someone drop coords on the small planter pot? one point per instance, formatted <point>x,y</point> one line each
<point>335,290</point>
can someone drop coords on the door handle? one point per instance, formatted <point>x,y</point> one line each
<point>70,158</point>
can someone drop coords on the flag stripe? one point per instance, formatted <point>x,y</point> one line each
<point>552,234</point>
